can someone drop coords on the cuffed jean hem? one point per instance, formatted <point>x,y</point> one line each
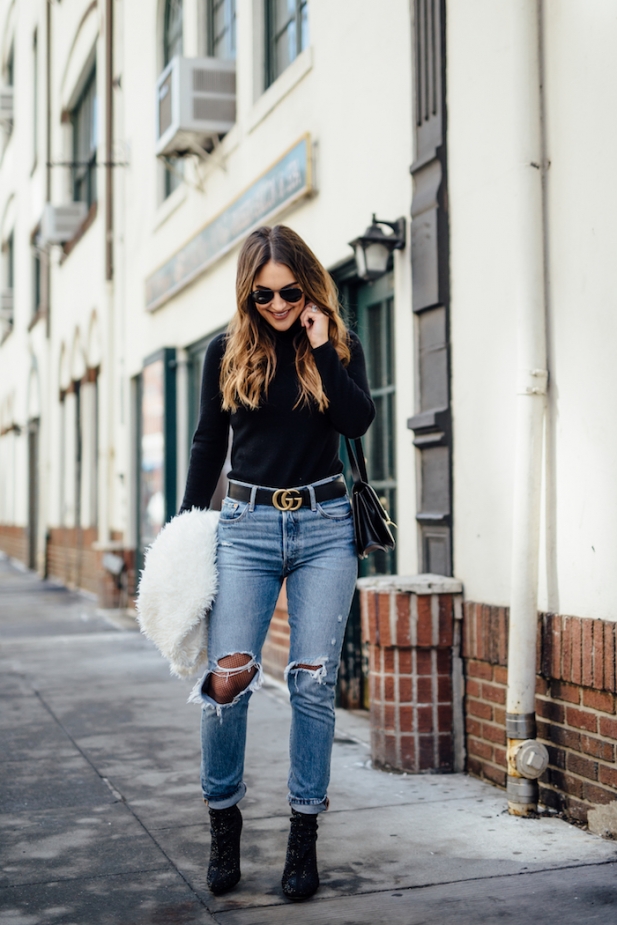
<point>226,802</point>
<point>308,807</point>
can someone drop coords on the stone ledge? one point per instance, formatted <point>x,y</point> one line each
<point>413,584</point>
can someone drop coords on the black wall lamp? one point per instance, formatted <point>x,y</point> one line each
<point>372,250</point>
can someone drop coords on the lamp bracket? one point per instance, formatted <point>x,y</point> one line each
<point>399,228</point>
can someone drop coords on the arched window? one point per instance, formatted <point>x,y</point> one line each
<point>172,30</point>
<point>172,46</point>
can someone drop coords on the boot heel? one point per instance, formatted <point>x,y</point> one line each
<point>224,866</point>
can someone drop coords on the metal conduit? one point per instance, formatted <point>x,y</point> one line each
<point>527,758</point>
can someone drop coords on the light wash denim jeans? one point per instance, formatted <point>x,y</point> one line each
<point>259,546</point>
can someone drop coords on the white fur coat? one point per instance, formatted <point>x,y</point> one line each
<point>177,589</point>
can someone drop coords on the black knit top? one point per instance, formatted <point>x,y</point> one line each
<point>277,445</point>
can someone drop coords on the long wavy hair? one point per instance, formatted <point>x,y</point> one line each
<point>249,362</point>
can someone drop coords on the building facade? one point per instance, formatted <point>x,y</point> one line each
<point>120,224</point>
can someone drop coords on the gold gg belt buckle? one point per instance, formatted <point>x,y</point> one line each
<point>287,499</point>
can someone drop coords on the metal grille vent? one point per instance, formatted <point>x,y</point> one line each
<point>6,304</point>
<point>6,104</point>
<point>214,110</point>
<point>206,80</point>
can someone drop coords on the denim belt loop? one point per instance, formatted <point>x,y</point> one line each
<point>311,489</point>
<point>252,501</point>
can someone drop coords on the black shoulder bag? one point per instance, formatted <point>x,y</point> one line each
<point>371,522</point>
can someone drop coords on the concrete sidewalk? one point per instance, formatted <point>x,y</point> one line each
<point>102,821</point>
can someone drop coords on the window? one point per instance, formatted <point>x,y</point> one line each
<point>172,46</point>
<point>84,119</point>
<point>172,30</point>
<point>36,281</point>
<point>35,96</point>
<point>10,67</point>
<point>7,295</point>
<point>286,34</point>
<point>9,81</point>
<point>156,445</point>
<point>10,262</point>
<point>222,29</point>
<point>376,331</point>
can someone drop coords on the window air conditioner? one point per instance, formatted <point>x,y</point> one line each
<point>195,101</point>
<point>61,223</point>
<point>6,106</point>
<point>6,305</point>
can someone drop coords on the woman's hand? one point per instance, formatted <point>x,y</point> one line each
<point>316,324</point>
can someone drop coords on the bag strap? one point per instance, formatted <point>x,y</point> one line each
<point>357,462</point>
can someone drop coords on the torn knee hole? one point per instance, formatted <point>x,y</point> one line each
<point>232,675</point>
<point>316,669</point>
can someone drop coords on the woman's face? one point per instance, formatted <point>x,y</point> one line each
<point>278,313</point>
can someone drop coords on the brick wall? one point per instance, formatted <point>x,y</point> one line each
<point>14,542</point>
<point>575,705</point>
<point>73,561</point>
<point>411,631</point>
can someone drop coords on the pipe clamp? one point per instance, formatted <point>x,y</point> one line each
<point>521,725</point>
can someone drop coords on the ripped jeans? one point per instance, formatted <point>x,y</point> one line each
<point>259,546</point>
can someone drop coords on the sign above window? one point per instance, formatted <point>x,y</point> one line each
<point>288,180</point>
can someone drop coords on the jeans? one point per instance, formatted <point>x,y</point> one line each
<point>259,546</point>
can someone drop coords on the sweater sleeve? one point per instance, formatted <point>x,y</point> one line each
<point>209,447</point>
<point>351,409</point>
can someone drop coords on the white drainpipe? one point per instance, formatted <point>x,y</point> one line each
<point>526,757</point>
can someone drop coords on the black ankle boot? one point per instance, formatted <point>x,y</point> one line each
<point>300,877</point>
<point>224,867</point>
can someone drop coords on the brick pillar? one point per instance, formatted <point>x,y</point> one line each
<point>411,625</point>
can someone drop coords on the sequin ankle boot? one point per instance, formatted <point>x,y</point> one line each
<point>300,877</point>
<point>224,867</point>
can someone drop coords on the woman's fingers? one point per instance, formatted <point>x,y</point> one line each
<point>316,324</point>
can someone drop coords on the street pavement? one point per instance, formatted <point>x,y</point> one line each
<point>102,821</point>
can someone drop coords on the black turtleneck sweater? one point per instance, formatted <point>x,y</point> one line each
<point>277,445</point>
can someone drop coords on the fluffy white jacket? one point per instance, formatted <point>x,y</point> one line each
<point>177,589</point>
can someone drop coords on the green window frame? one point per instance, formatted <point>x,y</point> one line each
<point>85,141</point>
<point>375,314</point>
<point>173,44</point>
<point>287,34</point>
<point>222,29</point>
<point>369,311</point>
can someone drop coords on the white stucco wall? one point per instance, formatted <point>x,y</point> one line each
<point>581,539</point>
<point>359,118</point>
<point>578,539</point>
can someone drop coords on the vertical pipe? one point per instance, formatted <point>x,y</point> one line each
<point>109,134</point>
<point>108,376</point>
<point>51,388</point>
<point>531,397</point>
<point>46,262</point>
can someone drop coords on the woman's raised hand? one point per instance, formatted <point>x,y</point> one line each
<point>316,324</point>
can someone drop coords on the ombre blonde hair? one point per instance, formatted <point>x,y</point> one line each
<point>249,362</point>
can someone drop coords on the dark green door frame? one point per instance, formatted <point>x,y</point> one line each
<point>166,355</point>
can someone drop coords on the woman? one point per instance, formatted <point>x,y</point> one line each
<point>289,379</point>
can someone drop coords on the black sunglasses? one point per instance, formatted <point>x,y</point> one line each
<point>287,293</point>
